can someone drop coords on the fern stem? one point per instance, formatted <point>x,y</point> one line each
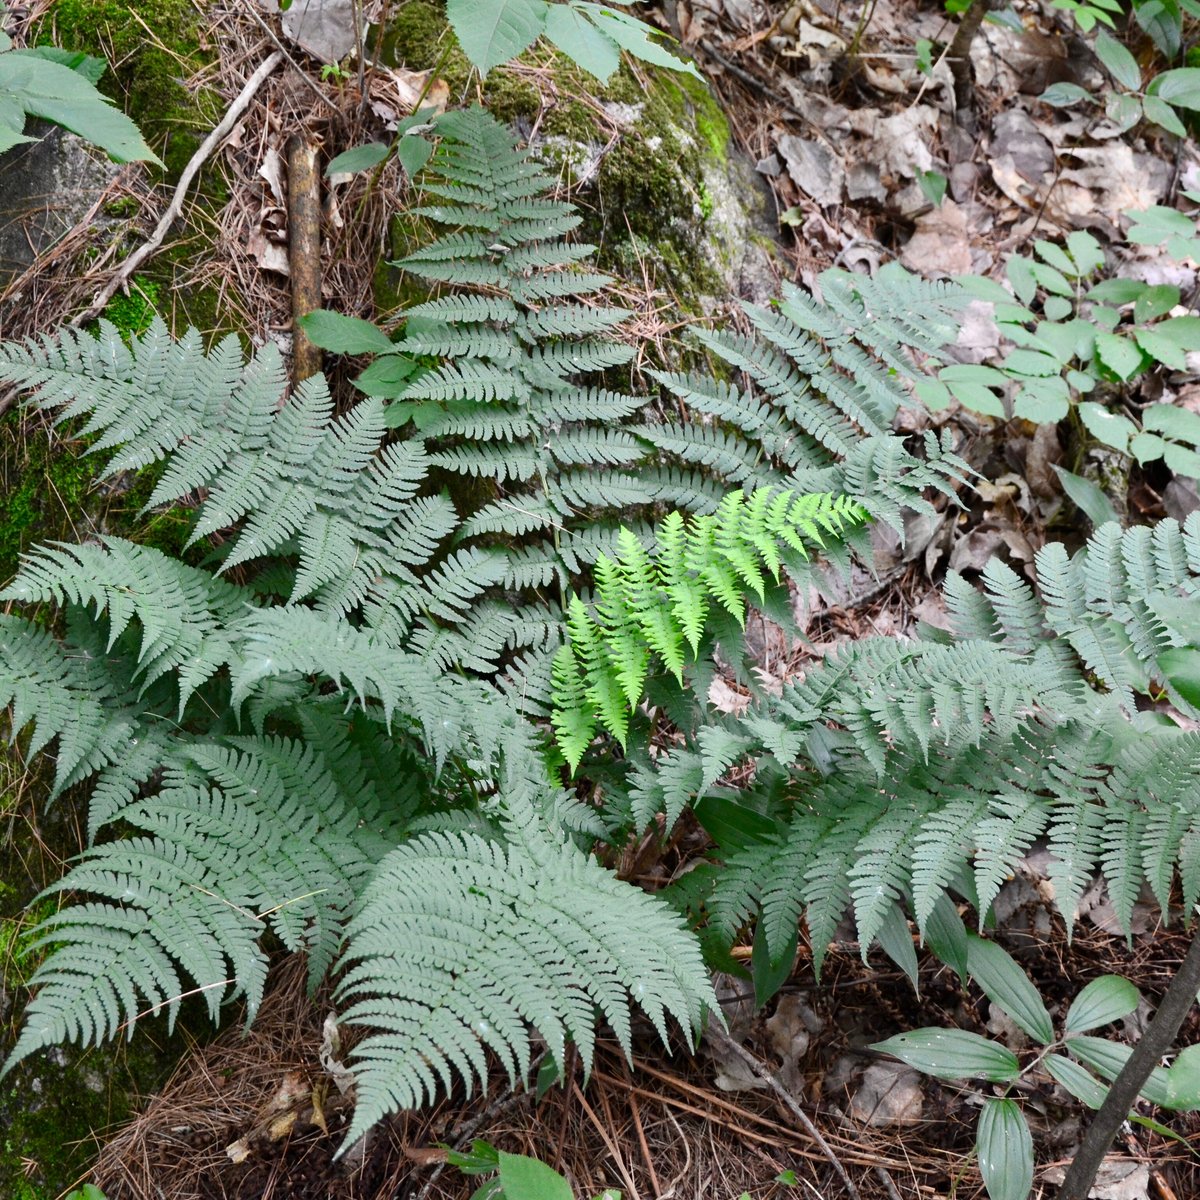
<point>1155,1042</point>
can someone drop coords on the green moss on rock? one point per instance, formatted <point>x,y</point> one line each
<point>151,47</point>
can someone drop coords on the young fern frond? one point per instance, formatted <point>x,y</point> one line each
<point>647,604</point>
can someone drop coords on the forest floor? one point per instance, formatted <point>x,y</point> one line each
<point>857,151</point>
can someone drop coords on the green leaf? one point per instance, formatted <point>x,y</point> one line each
<point>637,37</point>
<point>388,377</point>
<point>1042,401</point>
<point>1109,428</point>
<point>1180,667</point>
<point>952,1054</point>
<point>481,1157</point>
<point>1120,355</point>
<point>524,1178</point>
<point>1056,256</point>
<point>1157,223</point>
<point>56,93</point>
<point>1020,275</point>
<point>413,152</point>
<point>1063,95</point>
<point>1123,111</point>
<point>1057,307</point>
<point>1163,115</point>
<point>1146,447</point>
<point>1031,363</point>
<point>580,40</point>
<point>1155,301</point>
<point>492,32</point>
<point>1085,250</point>
<point>933,186</point>
<point>1079,1081</point>
<point>1122,66</point>
<point>1107,1058</point>
<point>1005,1150</point>
<point>896,942</point>
<point>769,974</point>
<point>1106,999</point>
<point>946,935</point>
<point>1162,349</point>
<point>1118,291</point>
<point>87,65</point>
<point>360,158</point>
<point>1182,461</point>
<point>1183,1080</point>
<point>344,335</point>
<point>1088,496</point>
<point>1180,87</point>
<point>89,1191</point>
<point>1179,423</point>
<point>1005,984</point>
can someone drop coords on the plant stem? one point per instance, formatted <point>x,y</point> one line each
<point>959,57</point>
<point>1155,1042</point>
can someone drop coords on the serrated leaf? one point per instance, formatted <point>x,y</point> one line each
<point>1078,1080</point>
<point>995,970</point>
<point>1106,999</point>
<point>495,32</point>
<point>580,40</point>
<point>1118,354</point>
<point>1109,428</point>
<point>344,335</point>
<point>1005,1149</point>
<point>952,1054</point>
<point>637,37</point>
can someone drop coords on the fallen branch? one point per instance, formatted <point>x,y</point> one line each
<point>120,279</point>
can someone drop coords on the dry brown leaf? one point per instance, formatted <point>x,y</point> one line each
<point>941,244</point>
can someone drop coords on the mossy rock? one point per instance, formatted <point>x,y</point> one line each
<point>151,47</point>
<point>662,190</point>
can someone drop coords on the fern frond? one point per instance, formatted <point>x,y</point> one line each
<point>462,945</point>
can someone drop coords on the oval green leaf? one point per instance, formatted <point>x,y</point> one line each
<point>1183,1080</point>
<point>1079,1081</point>
<point>525,1178</point>
<point>1005,1150</point>
<point>344,335</point>
<point>1005,984</point>
<point>1122,66</point>
<point>1106,999</point>
<point>358,158</point>
<point>952,1054</point>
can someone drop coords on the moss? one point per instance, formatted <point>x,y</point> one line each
<point>150,45</point>
<point>134,313</point>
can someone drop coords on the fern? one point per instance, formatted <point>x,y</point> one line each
<point>649,606</point>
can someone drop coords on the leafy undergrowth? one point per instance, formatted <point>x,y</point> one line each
<point>668,1122</point>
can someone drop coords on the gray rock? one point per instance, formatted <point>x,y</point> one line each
<point>46,187</point>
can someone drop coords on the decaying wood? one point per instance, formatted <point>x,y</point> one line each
<point>304,250</point>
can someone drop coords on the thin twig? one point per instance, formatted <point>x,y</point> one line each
<point>719,1035</point>
<point>175,208</point>
<point>251,8</point>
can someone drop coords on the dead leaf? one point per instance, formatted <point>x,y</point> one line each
<point>888,1094</point>
<point>269,255</point>
<point>725,699</point>
<point>940,244</point>
<point>272,169</point>
<point>813,168</point>
<point>1015,135</point>
<point>1117,1179</point>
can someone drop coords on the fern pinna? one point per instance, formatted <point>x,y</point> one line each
<point>327,734</point>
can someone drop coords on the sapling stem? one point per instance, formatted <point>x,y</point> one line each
<point>1155,1042</point>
